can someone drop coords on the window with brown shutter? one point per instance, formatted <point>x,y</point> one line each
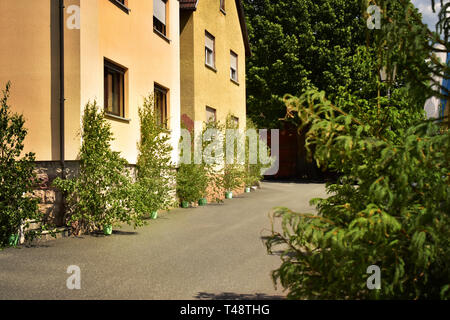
<point>161,108</point>
<point>114,85</point>
<point>160,16</point>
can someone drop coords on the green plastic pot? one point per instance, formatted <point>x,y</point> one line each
<point>13,240</point>
<point>229,195</point>
<point>248,189</point>
<point>154,215</point>
<point>184,204</point>
<point>107,229</point>
<point>202,202</point>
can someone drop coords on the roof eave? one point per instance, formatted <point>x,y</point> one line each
<point>191,8</point>
<point>240,8</point>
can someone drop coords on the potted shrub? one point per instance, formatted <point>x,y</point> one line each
<point>155,171</point>
<point>16,174</point>
<point>233,173</point>
<point>202,182</point>
<point>107,229</point>
<point>184,204</point>
<point>13,240</point>
<point>192,178</point>
<point>253,165</point>
<point>232,179</point>
<point>189,183</point>
<point>101,193</point>
<point>248,179</point>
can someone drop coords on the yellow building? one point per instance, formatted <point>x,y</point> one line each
<point>114,51</point>
<point>214,45</point>
<point>61,54</point>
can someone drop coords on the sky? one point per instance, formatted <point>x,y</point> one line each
<point>428,16</point>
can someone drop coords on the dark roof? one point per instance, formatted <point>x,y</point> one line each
<point>192,5</point>
<point>188,4</point>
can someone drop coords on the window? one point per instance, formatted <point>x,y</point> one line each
<point>121,4</point>
<point>235,121</point>
<point>210,114</point>
<point>114,89</point>
<point>159,16</point>
<point>161,105</point>
<point>234,66</point>
<point>209,50</point>
<point>222,5</point>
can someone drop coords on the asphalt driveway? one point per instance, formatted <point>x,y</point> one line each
<point>212,252</point>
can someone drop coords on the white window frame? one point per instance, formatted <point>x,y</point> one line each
<point>235,70</point>
<point>210,50</point>
<point>160,19</point>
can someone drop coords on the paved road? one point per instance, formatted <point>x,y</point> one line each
<point>203,253</point>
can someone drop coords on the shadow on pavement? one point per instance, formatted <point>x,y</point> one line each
<point>100,234</point>
<point>298,181</point>
<point>236,296</point>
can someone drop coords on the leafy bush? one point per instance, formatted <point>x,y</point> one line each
<point>391,208</point>
<point>233,171</point>
<point>232,177</point>
<point>211,163</point>
<point>16,174</point>
<point>192,178</point>
<point>101,193</point>
<point>155,171</point>
<point>252,173</point>
<point>190,182</point>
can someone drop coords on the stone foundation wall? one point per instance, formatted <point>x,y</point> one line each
<point>214,193</point>
<point>51,201</point>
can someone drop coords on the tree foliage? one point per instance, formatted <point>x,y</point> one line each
<point>391,205</point>
<point>191,182</point>
<point>16,174</point>
<point>192,178</point>
<point>325,44</point>
<point>100,194</point>
<point>297,44</point>
<point>155,181</point>
<point>378,214</point>
<point>253,168</point>
<point>233,167</point>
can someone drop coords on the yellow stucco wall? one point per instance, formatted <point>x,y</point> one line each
<point>187,64</point>
<point>129,40</point>
<point>30,59</point>
<point>201,86</point>
<point>72,86</point>
<point>27,48</point>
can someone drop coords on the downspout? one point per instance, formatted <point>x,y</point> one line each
<point>61,88</point>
